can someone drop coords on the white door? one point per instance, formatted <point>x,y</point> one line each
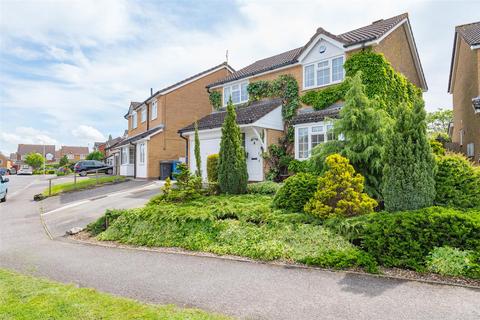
<point>253,148</point>
<point>142,160</point>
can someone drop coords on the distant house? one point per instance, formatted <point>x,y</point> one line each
<point>99,146</point>
<point>73,153</point>
<point>464,85</point>
<point>153,124</point>
<point>4,161</point>
<point>316,65</point>
<point>47,150</point>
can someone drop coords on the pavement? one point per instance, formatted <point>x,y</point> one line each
<point>241,289</point>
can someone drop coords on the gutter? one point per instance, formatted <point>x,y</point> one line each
<point>186,145</point>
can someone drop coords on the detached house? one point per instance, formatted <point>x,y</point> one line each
<point>315,65</point>
<point>153,124</point>
<point>48,151</point>
<point>73,153</point>
<point>464,85</point>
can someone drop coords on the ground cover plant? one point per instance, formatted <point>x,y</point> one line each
<point>81,184</point>
<point>26,297</point>
<point>243,225</point>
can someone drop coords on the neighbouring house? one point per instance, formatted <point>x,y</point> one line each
<point>73,153</point>
<point>464,85</point>
<point>315,65</point>
<point>48,151</point>
<point>4,161</point>
<point>99,146</point>
<point>112,155</point>
<point>153,124</point>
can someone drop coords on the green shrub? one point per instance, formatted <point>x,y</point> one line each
<point>449,261</point>
<point>339,191</point>
<point>298,166</point>
<point>437,147</point>
<point>295,192</point>
<point>102,223</point>
<point>265,187</point>
<point>404,239</point>
<point>212,167</point>
<point>321,151</point>
<point>457,182</point>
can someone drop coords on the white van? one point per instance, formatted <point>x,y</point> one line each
<point>25,169</point>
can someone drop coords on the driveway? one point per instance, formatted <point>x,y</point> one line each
<point>242,289</point>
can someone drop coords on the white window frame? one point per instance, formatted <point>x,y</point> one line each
<point>124,155</point>
<point>309,126</point>
<point>143,114</point>
<point>154,108</point>
<point>316,69</point>
<point>131,155</point>
<point>134,120</point>
<point>229,87</point>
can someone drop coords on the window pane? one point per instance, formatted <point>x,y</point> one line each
<point>317,139</point>
<point>235,96</point>
<point>309,76</point>
<point>244,92</point>
<point>337,69</point>
<point>303,143</point>
<point>226,95</point>
<point>317,129</point>
<point>323,64</point>
<point>131,156</point>
<point>323,76</point>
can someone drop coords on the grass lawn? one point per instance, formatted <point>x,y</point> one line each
<point>244,225</point>
<point>81,184</point>
<point>25,297</point>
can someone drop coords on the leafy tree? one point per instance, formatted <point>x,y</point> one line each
<point>232,166</point>
<point>63,161</point>
<point>198,158</point>
<point>95,155</point>
<point>409,166</point>
<point>35,160</point>
<point>438,121</point>
<point>363,124</point>
<point>339,191</point>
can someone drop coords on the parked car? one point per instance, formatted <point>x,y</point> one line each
<point>4,171</point>
<point>3,188</point>
<point>25,169</point>
<point>83,167</point>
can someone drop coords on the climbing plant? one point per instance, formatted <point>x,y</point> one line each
<point>380,79</point>
<point>215,99</point>
<point>286,88</point>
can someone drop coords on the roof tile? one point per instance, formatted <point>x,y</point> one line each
<point>470,32</point>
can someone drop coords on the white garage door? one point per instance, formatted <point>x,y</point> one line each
<point>207,147</point>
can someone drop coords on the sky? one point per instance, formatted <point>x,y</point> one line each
<point>69,69</point>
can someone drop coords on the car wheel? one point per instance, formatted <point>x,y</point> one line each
<point>109,171</point>
<point>83,173</point>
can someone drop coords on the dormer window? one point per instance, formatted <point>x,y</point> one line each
<point>323,73</point>
<point>238,93</point>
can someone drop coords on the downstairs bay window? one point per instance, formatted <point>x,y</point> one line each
<point>307,136</point>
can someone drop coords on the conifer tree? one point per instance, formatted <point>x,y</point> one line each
<point>198,159</point>
<point>363,124</point>
<point>232,166</point>
<point>408,181</point>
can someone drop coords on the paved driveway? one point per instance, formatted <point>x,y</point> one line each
<point>245,290</point>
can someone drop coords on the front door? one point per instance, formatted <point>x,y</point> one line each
<point>253,148</point>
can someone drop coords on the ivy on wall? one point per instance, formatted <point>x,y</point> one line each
<point>380,79</point>
<point>215,99</point>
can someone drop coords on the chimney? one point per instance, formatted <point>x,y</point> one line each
<point>151,92</point>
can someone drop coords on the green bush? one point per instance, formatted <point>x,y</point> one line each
<point>295,192</point>
<point>212,167</point>
<point>437,147</point>
<point>339,191</point>
<point>404,239</point>
<point>457,182</point>
<point>297,166</point>
<point>265,187</point>
<point>102,223</point>
<point>449,261</point>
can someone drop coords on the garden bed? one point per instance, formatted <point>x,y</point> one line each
<point>247,226</point>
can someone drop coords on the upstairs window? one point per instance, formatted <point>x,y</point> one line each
<point>237,92</point>
<point>323,73</point>
<point>154,110</point>
<point>134,119</point>
<point>144,114</point>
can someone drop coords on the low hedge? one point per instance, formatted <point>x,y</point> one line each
<point>404,239</point>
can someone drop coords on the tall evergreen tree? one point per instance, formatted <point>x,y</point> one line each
<point>232,166</point>
<point>198,158</point>
<point>363,124</point>
<point>408,181</point>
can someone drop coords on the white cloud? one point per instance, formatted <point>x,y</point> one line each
<point>88,134</point>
